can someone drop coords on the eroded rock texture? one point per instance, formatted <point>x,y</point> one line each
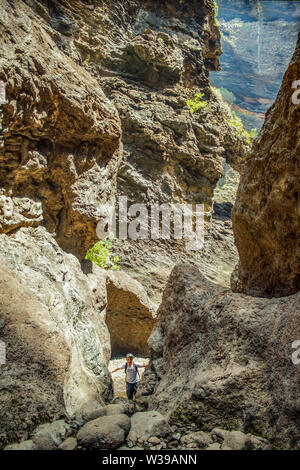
<point>151,263</point>
<point>53,324</point>
<point>61,135</point>
<point>266,213</point>
<point>95,107</point>
<point>221,359</point>
<point>163,59</point>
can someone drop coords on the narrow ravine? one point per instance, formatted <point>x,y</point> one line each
<point>118,120</point>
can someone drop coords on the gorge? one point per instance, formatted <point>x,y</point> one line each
<point>104,99</point>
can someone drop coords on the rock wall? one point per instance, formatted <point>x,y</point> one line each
<point>223,358</point>
<point>61,135</point>
<point>58,339</point>
<point>95,107</point>
<point>266,213</point>
<point>151,263</point>
<point>53,325</point>
<point>220,359</point>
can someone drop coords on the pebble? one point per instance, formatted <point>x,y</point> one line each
<point>154,440</point>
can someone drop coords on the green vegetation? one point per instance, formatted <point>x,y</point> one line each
<point>238,128</point>
<point>253,132</point>
<point>259,6</point>
<point>86,61</point>
<point>222,100</point>
<point>216,7</point>
<point>102,256</point>
<point>197,104</point>
<point>226,99</point>
<point>227,95</point>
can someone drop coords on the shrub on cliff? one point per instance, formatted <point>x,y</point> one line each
<point>216,9</point>
<point>238,127</point>
<point>197,104</point>
<point>102,256</point>
<point>233,120</point>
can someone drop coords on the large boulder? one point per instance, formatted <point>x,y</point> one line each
<point>220,359</point>
<point>92,410</point>
<point>50,435</point>
<point>265,217</point>
<point>25,445</point>
<point>47,436</point>
<point>200,439</point>
<point>68,444</point>
<point>148,424</point>
<point>237,440</point>
<point>107,432</point>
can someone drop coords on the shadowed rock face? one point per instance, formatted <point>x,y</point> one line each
<point>220,359</point>
<point>37,357</point>
<point>265,217</point>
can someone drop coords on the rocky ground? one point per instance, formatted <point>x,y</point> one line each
<point>119,426</point>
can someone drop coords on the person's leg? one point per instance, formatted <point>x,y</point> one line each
<point>129,391</point>
<point>134,388</point>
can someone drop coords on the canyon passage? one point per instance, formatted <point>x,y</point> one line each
<point>169,104</point>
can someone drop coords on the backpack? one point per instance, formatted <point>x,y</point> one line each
<point>126,365</point>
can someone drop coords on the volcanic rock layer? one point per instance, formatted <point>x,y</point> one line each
<point>220,359</point>
<point>266,215</point>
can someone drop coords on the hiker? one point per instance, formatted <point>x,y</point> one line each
<point>131,375</point>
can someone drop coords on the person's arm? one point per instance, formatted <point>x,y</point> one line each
<point>118,368</point>
<point>141,365</point>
